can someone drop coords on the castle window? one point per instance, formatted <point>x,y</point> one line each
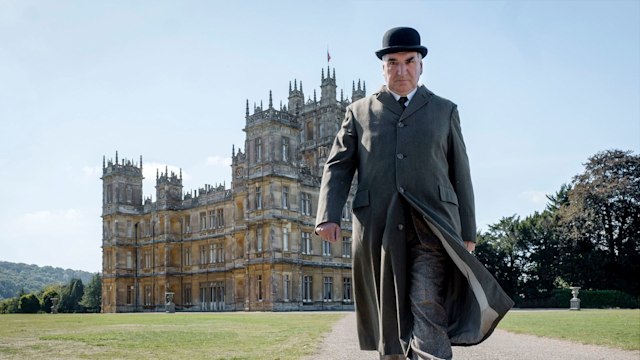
<point>259,239</point>
<point>326,248</point>
<point>203,220</point>
<point>346,247</point>
<point>259,287</point>
<point>285,239</point>
<point>307,289</point>
<point>346,212</point>
<point>203,254</point>
<point>286,287</point>
<point>129,194</point>
<point>306,243</point>
<point>258,198</point>
<point>346,289</point>
<point>285,149</point>
<point>285,197</point>
<point>258,149</point>
<point>130,295</point>
<point>109,195</point>
<point>129,228</point>
<point>187,256</point>
<point>187,224</point>
<point>327,289</point>
<point>186,297</point>
<point>220,217</point>
<point>305,203</point>
<point>129,260</point>
<point>147,259</point>
<point>309,128</point>
<point>148,299</point>
<point>212,219</point>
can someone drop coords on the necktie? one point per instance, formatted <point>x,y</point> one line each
<point>402,101</point>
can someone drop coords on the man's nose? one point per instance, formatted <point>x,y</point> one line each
<point>401,69</point>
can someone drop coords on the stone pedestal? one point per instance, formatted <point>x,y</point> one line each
<point>574,303</point>
<point>54,305</point>
<point>170,307</point>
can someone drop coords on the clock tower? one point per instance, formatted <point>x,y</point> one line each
<point>168,190</point>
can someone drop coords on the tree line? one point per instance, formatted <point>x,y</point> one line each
<point>588,235</point>
<point>73,297</point>
<point>18,277</point>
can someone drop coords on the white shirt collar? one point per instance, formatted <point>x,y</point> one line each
<point>409,96</point>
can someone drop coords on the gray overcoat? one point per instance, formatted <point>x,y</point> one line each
<point>418,157</point>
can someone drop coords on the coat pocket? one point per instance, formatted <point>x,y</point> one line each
<point>448,195</point>
<point>361,199</point>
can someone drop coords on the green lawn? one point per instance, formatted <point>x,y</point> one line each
<point>163,336</point>
<point>613,328</point>
<point>254,335</point>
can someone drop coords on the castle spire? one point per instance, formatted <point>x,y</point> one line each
<point>270,100</point>
<point>103,162</point>
<point>289,86</point>
<point>323,75</point>
<point>341,95</point>
<point>247,111</point>
<point>116,157</point>
<point>295,84</point>
<point>314,96</point>
<point>353,86</point>
<point>140,163</point>
<point>364,87</point>
<point>157,174</point>
<point>233,150</point>
<point>334,73</point>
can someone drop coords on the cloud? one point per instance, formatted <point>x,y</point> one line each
<point>218,160</point>
<point>536,197</point>
<point>92,172</point>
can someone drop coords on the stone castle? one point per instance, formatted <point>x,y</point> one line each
<point>250,247</point>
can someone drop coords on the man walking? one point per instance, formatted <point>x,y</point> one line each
<point>418,290</point>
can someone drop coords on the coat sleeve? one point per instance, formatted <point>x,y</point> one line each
<point>338,172</point>
<point>460,177</point>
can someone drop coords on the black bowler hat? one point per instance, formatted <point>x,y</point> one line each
<point>401,39</point>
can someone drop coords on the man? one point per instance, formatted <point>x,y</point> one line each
<point>418,290</point>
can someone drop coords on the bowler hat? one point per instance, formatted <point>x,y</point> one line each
<point>401,39</point>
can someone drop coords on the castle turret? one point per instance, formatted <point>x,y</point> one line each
<point>359,93</point>
<point>121,184</point>
<point>328,88</point>
<point>168,190</point>
<point>296,97</point>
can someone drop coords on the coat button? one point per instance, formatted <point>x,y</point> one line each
<point>400,227</point>
<point>401,189</point>
<point>400,124</point>
<point>400,156</point>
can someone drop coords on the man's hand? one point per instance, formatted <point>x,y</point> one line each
<point>329,231</point>
<point>470,246</point>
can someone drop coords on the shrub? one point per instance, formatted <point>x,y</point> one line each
<point>29,304</point>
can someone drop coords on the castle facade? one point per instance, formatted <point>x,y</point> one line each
<point>250,247</point>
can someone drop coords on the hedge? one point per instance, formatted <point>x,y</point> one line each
<point>589,299</point>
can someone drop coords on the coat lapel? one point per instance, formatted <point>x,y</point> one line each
<point>420,99</point>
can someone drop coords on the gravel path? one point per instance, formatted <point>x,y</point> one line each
<point>342,344</point>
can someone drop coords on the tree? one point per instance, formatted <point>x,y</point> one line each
<point>47,295</point>
<point>29,304</point>
<point>9,306</point>
<point>92,298</point>
<point>600,224</point>
<point>70,296</point>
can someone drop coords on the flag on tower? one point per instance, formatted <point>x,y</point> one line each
<point>328,56</point>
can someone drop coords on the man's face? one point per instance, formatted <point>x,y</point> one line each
<point>402,71</point>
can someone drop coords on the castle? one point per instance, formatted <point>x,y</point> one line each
<point>250,247</point>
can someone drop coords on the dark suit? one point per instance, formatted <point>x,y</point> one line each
<point>415,157</point>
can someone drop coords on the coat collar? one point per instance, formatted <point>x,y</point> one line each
<point>421,98</point>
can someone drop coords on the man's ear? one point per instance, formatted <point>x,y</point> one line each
<point>420,67</point>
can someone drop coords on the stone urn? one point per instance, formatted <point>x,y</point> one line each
<point>170,307</point>
<point>574,303</point>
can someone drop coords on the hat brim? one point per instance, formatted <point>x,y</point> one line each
<point>396,49</point>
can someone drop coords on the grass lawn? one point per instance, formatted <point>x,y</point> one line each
<point>613,328</point>
<point>163,336</point>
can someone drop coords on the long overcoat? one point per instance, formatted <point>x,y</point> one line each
<point>416,157</point>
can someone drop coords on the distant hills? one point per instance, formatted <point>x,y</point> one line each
<point>32,278</point>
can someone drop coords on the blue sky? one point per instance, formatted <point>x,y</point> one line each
<point>540,85</point>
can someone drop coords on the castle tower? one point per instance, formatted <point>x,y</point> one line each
<point>168,190</point>
<point>121,185</point>
<point>328,88</point>
<point>296,97</point>
<point>359,93</point>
